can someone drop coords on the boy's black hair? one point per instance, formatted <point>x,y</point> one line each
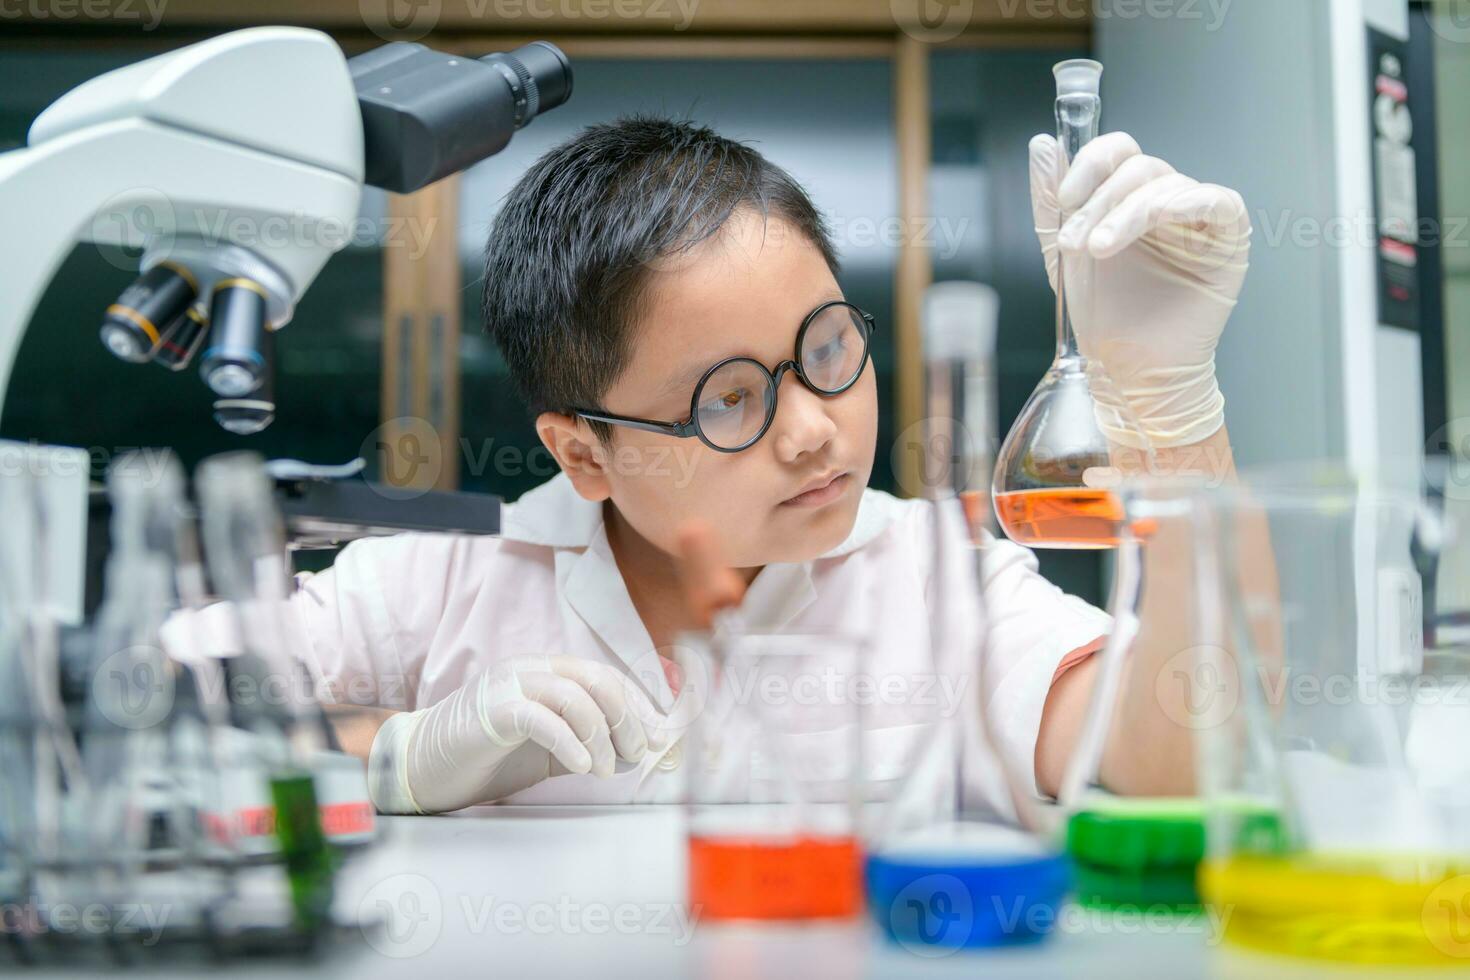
<point>567,261</point>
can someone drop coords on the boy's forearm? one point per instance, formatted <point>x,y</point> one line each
<point>356,727</point>
<point>1147,752</point>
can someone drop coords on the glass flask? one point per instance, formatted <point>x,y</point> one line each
<point>1313,695</point>
<point>1056,473</point>
<point>946,865</point>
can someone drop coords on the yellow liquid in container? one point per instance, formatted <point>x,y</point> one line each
<point>1390,910</point>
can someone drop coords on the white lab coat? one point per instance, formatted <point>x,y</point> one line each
<point>405,620</point>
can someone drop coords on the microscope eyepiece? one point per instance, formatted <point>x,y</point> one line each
<point>426,115</point>
<point>134,326</point>
<point>539,75</point>
<point>233,364</point>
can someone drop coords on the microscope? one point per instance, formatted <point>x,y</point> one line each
<point>236,165</point>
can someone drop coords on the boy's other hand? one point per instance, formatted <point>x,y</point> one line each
<point>506,730</point>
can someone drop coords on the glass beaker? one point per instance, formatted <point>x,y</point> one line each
<point>1056,473</point>
<point>1312,695</point>
<point>772,753</point>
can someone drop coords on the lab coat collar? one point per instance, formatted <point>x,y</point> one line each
<point>553,514</point>
<point>556,516</point>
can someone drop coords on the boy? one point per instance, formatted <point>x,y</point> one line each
<point>667,301</point>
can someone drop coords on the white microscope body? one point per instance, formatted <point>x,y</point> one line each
<point>239,156</point>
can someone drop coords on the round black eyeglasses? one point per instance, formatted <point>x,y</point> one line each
<point>734,402</point>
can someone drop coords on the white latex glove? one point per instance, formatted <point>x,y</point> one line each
<point>1169,255</point>
<point>507,729</point>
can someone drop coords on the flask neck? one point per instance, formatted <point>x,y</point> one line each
<point>1078,120</point>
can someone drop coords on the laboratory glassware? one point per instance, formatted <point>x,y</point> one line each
<point>1312,695</point>
<point>1138,853</point>
<point>957,854</point>
<point>958,432</point>
<point>245,550</point>
<point>23,744</point>
<point>945,869</point>
<point>772,754</point>
<point>125,735</point>
<point>1057,470</point>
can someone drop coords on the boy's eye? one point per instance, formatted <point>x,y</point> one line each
<point>724,401</point>
<point>826,352</point>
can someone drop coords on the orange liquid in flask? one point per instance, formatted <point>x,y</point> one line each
<point>750,878</point>
<point>1061,517</point>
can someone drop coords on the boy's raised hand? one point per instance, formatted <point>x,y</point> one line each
<point>509,728</point>
<point>1169,256</point>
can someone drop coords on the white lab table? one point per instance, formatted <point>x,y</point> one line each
<point>598,892</point>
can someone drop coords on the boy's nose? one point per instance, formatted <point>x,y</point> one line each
<point>802,424</point>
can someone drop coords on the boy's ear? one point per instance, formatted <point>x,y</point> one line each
<point>577,451</point>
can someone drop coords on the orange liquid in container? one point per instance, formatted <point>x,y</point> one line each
<point>751,878</point>
<point>1079,517</point>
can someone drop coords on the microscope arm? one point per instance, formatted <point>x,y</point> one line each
<point>237,164</point>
